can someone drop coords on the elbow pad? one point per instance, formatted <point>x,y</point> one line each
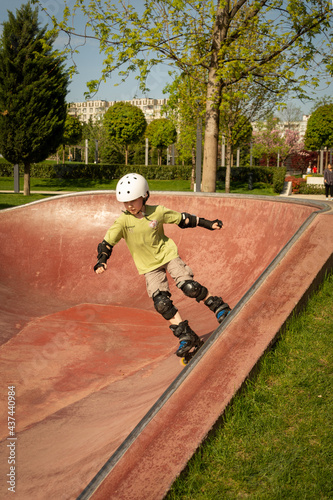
<point>104,250</point>
<point>188,220</point>
<point>208,224</point>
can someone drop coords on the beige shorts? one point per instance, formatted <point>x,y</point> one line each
<point>157,279</point>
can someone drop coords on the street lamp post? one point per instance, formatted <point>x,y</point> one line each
<point>198,156</point>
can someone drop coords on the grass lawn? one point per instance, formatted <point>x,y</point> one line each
<point>276,439</point>
<point>8,200</point>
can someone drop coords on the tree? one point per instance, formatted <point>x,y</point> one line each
<point>33,89</point>
<point>244,103</point>
<point>125,124</point>
<point>293,145</point>
<point>321,101</point>
<point>214,36</point>
<point>95,134</point>
<point>268,140</point>
<point>161,133</point>
<point>184,108</point>
<point>72,132</point>
<point>237,131</point>
<point>290,115</point>
<point>319,129</point>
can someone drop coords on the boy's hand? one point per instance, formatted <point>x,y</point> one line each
<point>217,225</point>
<point>100,269</point>
<point>210,224</point>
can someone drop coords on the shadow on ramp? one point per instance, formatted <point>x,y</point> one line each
<point>93,364</point>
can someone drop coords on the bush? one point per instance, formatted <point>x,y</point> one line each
<point>278,179</point>
<point>6,168</point>
<point>311,189</point>
<point>241,174</point>
<point>104,172</point>
<point>74,170</point>
<point>297,182</point>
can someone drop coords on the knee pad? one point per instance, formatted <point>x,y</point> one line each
<point>193,289</point>
<point>163,304</point>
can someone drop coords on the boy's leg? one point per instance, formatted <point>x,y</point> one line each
<point>218,306</point>
<point>158,289</point>
<point>183,276</point>
<point>187,337</point>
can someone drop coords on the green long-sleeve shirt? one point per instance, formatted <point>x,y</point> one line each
<point>145,238</point>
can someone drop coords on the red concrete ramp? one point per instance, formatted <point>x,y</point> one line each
<point>101,399</point>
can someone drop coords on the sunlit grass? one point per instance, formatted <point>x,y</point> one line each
<point>276,441</point>
<point>8,200</point>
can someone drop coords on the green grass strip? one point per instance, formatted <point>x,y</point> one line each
<point>275,441</point>
<point>8,200</point>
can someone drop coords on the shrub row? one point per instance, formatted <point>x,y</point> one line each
<point>268,175</point>
<point>73,170</point>
<point>311,189</point>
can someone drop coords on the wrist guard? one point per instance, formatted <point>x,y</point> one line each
<point>208,224</point>
<point>188,220</point>
<point>104,250</point>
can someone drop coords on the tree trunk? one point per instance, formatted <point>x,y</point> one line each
<point>213,101</point>
<point>211,134</point>
<point>26,188</point>
<point>126,155</point>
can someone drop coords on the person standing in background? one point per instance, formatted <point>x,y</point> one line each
<point>328,182</point>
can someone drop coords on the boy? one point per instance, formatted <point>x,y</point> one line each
<point>154,254</point>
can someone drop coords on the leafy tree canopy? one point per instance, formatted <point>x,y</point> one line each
<point>321,101</point>
<point>319,130</point>
<point>186,104</point>
<point>125,123</point>
<point>161,133</point>
<point>73,131</point>
<point>262,41</point>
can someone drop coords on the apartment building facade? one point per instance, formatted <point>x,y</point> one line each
<point>95,110</point>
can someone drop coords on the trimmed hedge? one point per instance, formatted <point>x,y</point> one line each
<point>311,189</point>
<point>269,175</point>
<point>279,175</point>
<point>73,170</point>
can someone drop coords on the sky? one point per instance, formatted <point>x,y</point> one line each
<point>89,64</point>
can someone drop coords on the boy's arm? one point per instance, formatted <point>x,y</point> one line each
<point>104,251</point>
<point>189,220</point>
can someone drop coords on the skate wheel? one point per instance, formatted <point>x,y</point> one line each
<point>183,362</point>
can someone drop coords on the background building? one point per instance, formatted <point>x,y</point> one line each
<point>152,108</point>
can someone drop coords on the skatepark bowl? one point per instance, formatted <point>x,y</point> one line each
<point>104,408</point>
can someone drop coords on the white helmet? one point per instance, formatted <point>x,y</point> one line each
<point>132,186</point>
